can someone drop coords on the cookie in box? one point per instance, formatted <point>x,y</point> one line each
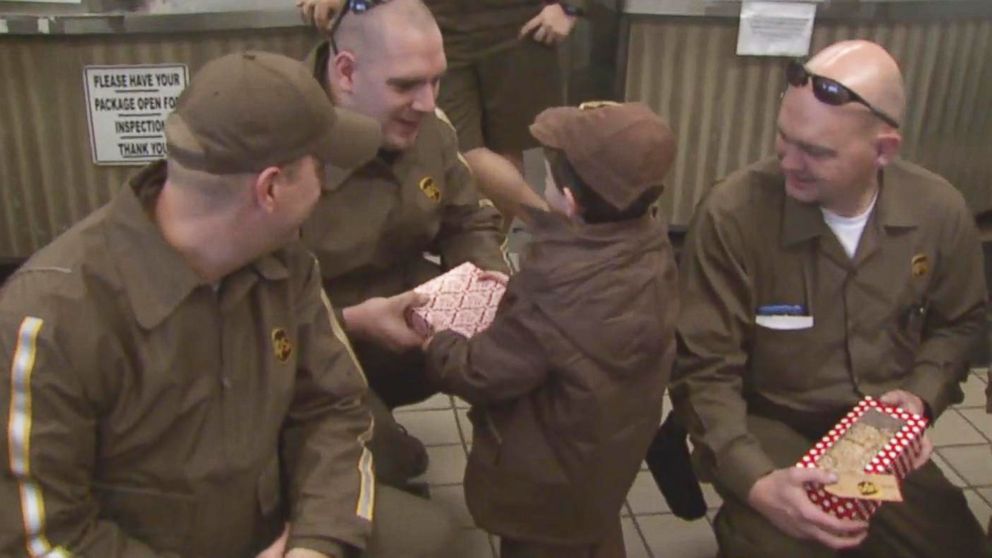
<point>870,449</point>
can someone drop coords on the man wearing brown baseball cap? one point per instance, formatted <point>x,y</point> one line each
<point>567,383</point>
<point>248,111</point>
<point>179,385</point>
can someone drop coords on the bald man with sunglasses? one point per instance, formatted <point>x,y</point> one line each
<point>876,264</point>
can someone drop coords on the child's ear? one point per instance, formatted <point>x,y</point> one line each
<point>572,207</point>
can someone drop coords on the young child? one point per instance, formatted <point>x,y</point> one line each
<point>566,384</point>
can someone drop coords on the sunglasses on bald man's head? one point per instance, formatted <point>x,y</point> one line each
<point>829,91</point>
<point>357,6</point>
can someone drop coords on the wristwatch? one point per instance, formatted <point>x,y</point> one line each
<point>570,9</point>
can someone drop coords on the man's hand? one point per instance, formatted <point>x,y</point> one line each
<point>383,321</point>
<point>319,13</point>
<point>781,498</point>
<point>549,27</point>
<point>926,450</point>
<point>914,404</point>
<point>904,400</point>
<point>278,548</point>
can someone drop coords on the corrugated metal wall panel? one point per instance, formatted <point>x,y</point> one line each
<point>724,107</point>
<point>47,178</point>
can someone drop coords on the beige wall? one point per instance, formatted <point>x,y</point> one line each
<point>47,178</point>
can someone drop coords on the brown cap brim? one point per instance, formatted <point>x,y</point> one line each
<point>546,127</point>
<point>351,141</point>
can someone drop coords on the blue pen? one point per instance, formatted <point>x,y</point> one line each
<point>782,310</point>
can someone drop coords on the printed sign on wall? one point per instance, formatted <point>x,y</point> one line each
<point>126,107</point>
<point>775,28</point>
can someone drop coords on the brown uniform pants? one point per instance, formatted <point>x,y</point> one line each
<point>494,98</point>
<point>610,547</point>
<point>933,521</point>
<point>397,378</point>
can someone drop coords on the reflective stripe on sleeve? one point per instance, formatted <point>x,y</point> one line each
<point>19,441</point>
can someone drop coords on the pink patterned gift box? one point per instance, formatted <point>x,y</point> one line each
<point>459,301</point>
<point>894,458</point>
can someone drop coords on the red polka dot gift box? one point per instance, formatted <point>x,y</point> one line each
<point>460,300</point>
<point>873,444</point>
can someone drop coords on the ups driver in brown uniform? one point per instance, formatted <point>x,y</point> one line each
<point>373,225</point>
<point>503,70</point>
<point>175,383</point>
<point>876,264</point>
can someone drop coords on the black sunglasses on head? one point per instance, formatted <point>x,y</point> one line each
<point>357,6</point>
<point>830,91</point>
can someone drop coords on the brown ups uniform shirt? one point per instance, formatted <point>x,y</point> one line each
<point>148,414</point>
<point>373,225</point>
<point>472,28</point>
<point>567,383</point>
<point>901,315</point>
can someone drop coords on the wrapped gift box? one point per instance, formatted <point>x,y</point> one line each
<point>459,301</point>
<point>874,439</point>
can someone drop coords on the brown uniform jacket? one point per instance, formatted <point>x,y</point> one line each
<point>567,383</point>
<point>148,415</point>
<point>373,225</point>
<point>901,315</point>
<point>476,27</point>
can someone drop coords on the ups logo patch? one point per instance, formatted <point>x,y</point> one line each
<point>868,488</point>
<point>282,347</point>
<point>430,189</point>
<point>920,265</point>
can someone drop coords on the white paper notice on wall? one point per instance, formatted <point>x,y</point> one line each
<point>127,106</point>
<point>775,28</point>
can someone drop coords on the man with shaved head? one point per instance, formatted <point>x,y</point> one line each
<point>503,70</point>
<point>405,217</point>
<point>810,280</point>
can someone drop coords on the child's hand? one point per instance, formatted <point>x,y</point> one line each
<point>497,276</point>
<point>426,343</point>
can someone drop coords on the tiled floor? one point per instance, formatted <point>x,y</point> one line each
<point>962,438</point>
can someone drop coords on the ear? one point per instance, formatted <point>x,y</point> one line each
<point>887,145</point>
<point>572,207</point>
<point>264,190</point>
<point>341,70</point>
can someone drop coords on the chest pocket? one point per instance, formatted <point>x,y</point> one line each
<point>785,360</point>
<point>786,350</point>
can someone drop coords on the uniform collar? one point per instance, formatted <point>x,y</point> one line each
<point>155,276</point>
<point>804,221</point>
<point>317,60</point>
<point>895,209</point>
